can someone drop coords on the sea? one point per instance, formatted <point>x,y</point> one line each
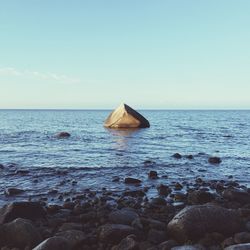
<point>93,157</point>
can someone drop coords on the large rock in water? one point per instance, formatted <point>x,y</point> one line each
<point>193,222</point>
<point>126,117</point>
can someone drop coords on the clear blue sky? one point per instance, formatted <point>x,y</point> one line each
<point>149,54</point>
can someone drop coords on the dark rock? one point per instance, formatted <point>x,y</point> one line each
<point>158,201</point>
<point>53,243</point>
<point>130,180</point>
<point>153,175</point>
<point>114,233</point>
<point>194,222</point>
<point>211,239</point>
<point>179,196</point>
<point>116,179</point>
<point>247,226</point>
<point>134,193</point>
<point>199,197</point>
<point>167,245</point>
<point>177,156</point>
<point>227,242</point>
<point>242,237</point>
<point>74,237</point>
<point>13,191</point>
<point>26,210</point>
<point>234,194</point>
<point>19,233</point>
<point>62,135</point>
<point>190,157</point>
<point>124,216</point>
<point>239,247</point>
<point>164,190</point>
<point>128,243</point>
<point>156,236</point>
<point>214,160</point>
<point>70,226</point>
<point>178,186</point>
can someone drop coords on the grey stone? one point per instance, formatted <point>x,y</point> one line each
<point>193,222</point>
<point>53,243</point>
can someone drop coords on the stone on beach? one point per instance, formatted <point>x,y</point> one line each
<point>126,117</point>
<point>25,210</point>
<point>193,222</point>
<point>239,247</point>
<point>130,180</point>
<point>19,233</point>
<point>124,216</point>
<point>114,233</point>
<point>53,243</point>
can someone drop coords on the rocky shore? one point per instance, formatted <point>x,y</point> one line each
<point>200,214</point>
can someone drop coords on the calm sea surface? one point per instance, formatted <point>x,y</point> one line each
<point>93,155</point>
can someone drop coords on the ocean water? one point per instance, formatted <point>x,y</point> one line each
<point>94,155</point>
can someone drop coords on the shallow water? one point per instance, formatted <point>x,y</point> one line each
<point>93,155</point>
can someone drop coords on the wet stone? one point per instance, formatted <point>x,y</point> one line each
<point>214,160</point>
<point>13,191</point>
<point>130,180</point>
<point>152,175</point>
<point>124,216</point>
<point>177,156</point>
<point>164,190</point>
<point>53,243</point>
<point>114,233</point>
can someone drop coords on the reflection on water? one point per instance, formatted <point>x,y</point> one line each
<point>122,137</point>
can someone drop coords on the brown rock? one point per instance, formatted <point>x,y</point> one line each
<point>114,233</point>
<point>126,117</point>
<point>26,210</point>
<point>19,233</point>
<point>62,135</point>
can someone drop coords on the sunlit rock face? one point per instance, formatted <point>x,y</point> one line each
<point>126,117</point>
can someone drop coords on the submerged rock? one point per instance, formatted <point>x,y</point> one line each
<point>130,180</point>
<point>13,191</point>
<point>26,210</point>
<point>126,117</point>
<point>193,222</point>
<point>214,160</point>
<point>177,156</point>
<point>62,135</point>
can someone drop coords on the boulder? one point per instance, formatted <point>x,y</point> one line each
<point>200,197</point>
<point>156,236</point>
<point>126,117</point>
<point>19,233</point>
<point>238,195</point>
<point>25,210</point>
<point>53,243</point>
<point>114,233</point>
<point>193,222</point>
<point>124,216</point>
<point>74,237</point>
<point>128,243</point>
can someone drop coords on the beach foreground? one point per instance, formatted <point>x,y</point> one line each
<point>198,215</point>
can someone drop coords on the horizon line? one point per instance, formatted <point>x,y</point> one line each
<point>108,109</point>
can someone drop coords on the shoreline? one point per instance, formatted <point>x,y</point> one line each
<point>131,218</point>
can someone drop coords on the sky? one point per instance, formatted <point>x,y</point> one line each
<point>162,54</point>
